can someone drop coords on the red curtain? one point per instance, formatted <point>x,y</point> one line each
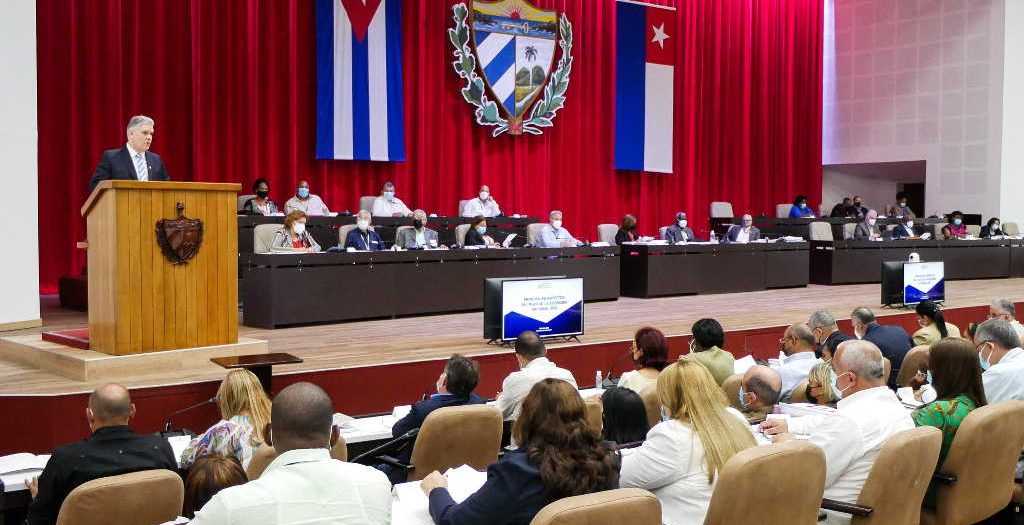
<point>232,83</point>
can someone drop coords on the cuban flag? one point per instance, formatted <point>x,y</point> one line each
<point>359,80</point>
<point>644,86</point>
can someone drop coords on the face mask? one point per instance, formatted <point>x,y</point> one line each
<point>389,195</point>
<point>363,224</point>
<point>556,224</point>
<point>416,223</point>
<point>984,360</point>
<point>957,222</point>
<point>856,204</point>
<point>903,205</point>
<point>693,345</point>
<point>682,223</point>
<point>995,226</point>
<point>303,193</point>
<point>437,386</point>
<point>928,376</point>
<point>665,416</point>
<point>910,225</point>
<point>262,194</point>
<point>484,195</point>
<point>746,224</point>
<point>742,398</point>
<point>871,222</point>
<point>481,229</point>
<point>298,228</point>
<point>803,206</point>
<point>835,383</point>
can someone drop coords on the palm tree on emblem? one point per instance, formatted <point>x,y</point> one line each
<point>530,52</point>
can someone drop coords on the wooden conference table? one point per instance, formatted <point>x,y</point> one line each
<point>652,270</point>
<point>289,289</point>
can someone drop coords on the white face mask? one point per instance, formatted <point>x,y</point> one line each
<point>556,224</point>
<point>910,225</point>
<point>682,223</point>
<point>363,224</point>
<point>484,195</point>
<point>872,221</point>
<point>298,228</point>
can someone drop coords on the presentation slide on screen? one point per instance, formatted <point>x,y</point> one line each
<point>924,280</point>
<point>550,307</point>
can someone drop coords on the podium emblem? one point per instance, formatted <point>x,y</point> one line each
<point>179,239</point>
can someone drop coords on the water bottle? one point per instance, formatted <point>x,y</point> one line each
<point>598,380</point>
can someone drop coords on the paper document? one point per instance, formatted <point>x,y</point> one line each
<point>508,240</point>
<point>22,462</point>
<point>740,366</point>
<point>178,445</point>
<point>411,507</point>
<point>341,420</point>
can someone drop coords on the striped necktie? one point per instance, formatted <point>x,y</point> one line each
<point>140,167</point>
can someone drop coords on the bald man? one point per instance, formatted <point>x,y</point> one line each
<point>303,484</point>
<point>798,346</point>
<point>112,449</point>
<point>760,390</point>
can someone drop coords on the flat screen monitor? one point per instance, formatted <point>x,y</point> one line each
<point>892,282</point>
<point>924,280</point>
<point>550,306</point>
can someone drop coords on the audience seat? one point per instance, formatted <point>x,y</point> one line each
<point>721,210</point>
<point>595,414</point>
<point>533,232</point>
<point>1010,228</point>
<point>610,507</point>
<point>911,364</point>
<point>974,229</point>
<point>606,233</point>
<point>454,436</point>
<point>366,203</point>
<point>982,460</point>
<point>148,496</point>
<point>898,480</point>
<point>343,232</point>
<point>799,394</point>
<point>821,231</point>
<point>782,210</point>
<point>651,404</point>
<point>770,485</point>
<point>460,233</point>
<point>241,202</point>
<point>731,387</point>
<point>462,206</point>
<point>263,237</point>
<point>848,231</point>
<point>265,455</point>
<point>661,232</point>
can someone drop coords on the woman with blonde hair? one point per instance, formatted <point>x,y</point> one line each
<point>819,385</point>
<point>684,453</point>
<point>244,411</point>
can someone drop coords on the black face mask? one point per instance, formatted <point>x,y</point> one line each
<point>262,194</point>
<point>856,204</point>
<point>416,223</point>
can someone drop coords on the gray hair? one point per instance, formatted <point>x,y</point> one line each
<point>419,213</point>
<point>364,213</point>
<point>765,392</point>
<point>139,120</point>
<point>1005,305</point>
<point>862,358</point>
<point>864,315</point>
<point>999,332</point>
<point>802,332</point>
<point>871,213</point>
<point>822,319</point>
<point>553,213</point>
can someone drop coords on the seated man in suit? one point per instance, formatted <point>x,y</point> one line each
<point>893,341</point>
<point>743,233</point>
<point>534,367</point>
<point>112,449</point>
<point>134,161</point>
<point>362,238</point>
<point>905,229</point>
<point>419,236</point>
<point>867,230</point>
<point>826,334</point>
<point>678,231</point>
<point>454,388</point>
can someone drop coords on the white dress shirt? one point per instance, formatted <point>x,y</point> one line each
<point>1005,379</point>
<point>304,486</point>
<point>852,438</point>
<point>312,205</point>
<point>488,208</point>
<point>551,238</point>
<point>388,208</point>
<point>670,464</point>
<point>518,384</point>
<point>743,236</point>
<point>142,174</point>
<point>794,369</point>
<point>635,381</point>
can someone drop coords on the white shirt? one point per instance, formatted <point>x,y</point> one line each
<point>304,486</point>
<point>488,208</point>
<point>518,384</point>
<point>551,238</point>
<point>142,174</point>
<point>794,369</point>
<point>1019,328</point>
<point>1005,379</point>
<point>852,438</point>
<point>671,465</point>
<point>385,208</point>
<point>743,236</point>
<point>312,205</point>
<point>635,381</point>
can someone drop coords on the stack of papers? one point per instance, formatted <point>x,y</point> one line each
<point>15,469</point>
<point>178,445</point>
<point>410,506</point>
<point>740,366</point>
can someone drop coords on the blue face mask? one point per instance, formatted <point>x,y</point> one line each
<point>835,383</point>
<point>983,360</point>
<point>957,222</point>
<point>665,416</point>
<point>928,376</point>
<point>903,205</point>
<point>303,193</point>
<point>389,195</point>
<point>742,397</point>
<point>803,206</point>
<point>481,229</point>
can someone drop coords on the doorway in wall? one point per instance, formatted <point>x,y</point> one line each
<point>877,183</point>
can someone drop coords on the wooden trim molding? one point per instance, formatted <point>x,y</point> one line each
<point>21,325</point>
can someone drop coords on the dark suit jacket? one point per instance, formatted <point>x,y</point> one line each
<point>674,234</point>
<point>623,236</point>
<point>734,231</point>
<point>473,238</point>
<point>893,341</point>
<point>901,232</point>
<point>863,230</point>
<point>832,341</point>
<point>987,232</point>
<point>357,240</point>
<point>109,451</point>
<point>116,164</point>
<point>419,413</point>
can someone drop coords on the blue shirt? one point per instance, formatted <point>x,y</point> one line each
<point>795,212</point>
<point>362,241</point>
<point>552,238</point>
<point>794,370</point>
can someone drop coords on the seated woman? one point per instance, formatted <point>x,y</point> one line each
<point>800,209</point>
<point>627,230</point>
<point>819,385</point>
<point>261,203</point>
<point>991,229</point>
<point>905,229</point>
<point>679,231</point>
<point>294,237</point>
<point>957,380</point>
<point>956,229</point>
<point>933,324</point>
<point>362,238</point>
<point>683,454</point>
<point>244,411</point>
<point>477,233</point>
<point>559,455</point>
<point>650,355</point>
<point>624,416</point>
<point>208,476</point>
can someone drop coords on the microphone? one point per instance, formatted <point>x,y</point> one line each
<point>611,370</point>
<point>167,424</point>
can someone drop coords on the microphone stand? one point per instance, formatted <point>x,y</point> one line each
<point>167,432</point>
<point>611,370</point>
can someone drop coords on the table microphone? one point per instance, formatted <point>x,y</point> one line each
<point>611,371</point>
<point>167,424</point>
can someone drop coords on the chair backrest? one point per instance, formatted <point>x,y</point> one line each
<point>848,230</point>
<point>782,210</point>
<point>911,364</point>
<point>899,478</point>
<point>606,233</point>
<point>721,210</point>
<point>1010,228</point>
<point>799,394</point>
<point>821,231</point>
<point>460,233</point>
<point>462,207</point>
<point>886,368</point>
<point>983,457</point>
<point>533,232</point>
<point>609,507</point>
<point>148,496</point>
<point>731,387</point>
<point>366,202</point>
<point>595,414</point>
<point>974,229</point>
<point>454,436</point>
<point>262,456</point>
<point>343,232</point>
<point>759,481</point>
<point>652,404</point>
<point>241,201</point>
<point>398,233</point>
<point>661,232</point>
<point>937,230</point>
<point>263,237</point>
<point>340,449</point>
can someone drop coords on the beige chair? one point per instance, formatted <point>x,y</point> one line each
<point>661,232</point>
<point>721,210</point>
<point>454,436</point>
<point>460,233</point>
<point>982,459</point>
<point>366,202</point>
<point>1010,228</point>
<point>398,232</point>
<point>821,231</point>
<point>777,484</point>
<point>595,414</point>
<point>974,229</point>
<point>610,507</point>
<point>782,211</point>
<point>652,405</point>
<point>731,387</point>
<point>911,364</point>
<point>898,480</point>
<point>848,230</point>
<point>264,455</point>
<point>241,202</point>
<point>886,369</point>
<point>343,233</point>
<point>340,449</point>
<point>462,207</point>
<point>799,394</point>
<point>263,237</point>
<point>145,497</point>
<point>606,233</point>
<point>533,232</point>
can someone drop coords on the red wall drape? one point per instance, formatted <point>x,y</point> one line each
<point>232,83</point>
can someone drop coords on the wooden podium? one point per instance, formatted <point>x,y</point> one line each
<point>139,300</point>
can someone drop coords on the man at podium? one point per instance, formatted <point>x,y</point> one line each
<point>134,161</point>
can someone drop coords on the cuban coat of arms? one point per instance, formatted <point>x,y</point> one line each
<point>505,51</point>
